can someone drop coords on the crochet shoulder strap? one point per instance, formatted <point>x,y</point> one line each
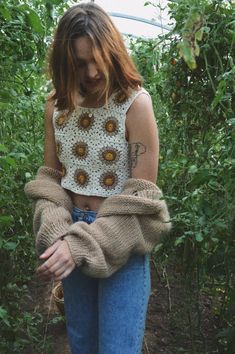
<point>134,95</point>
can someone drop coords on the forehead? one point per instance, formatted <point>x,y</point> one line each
<point>83,47</point>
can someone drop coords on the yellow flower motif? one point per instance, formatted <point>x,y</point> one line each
<point>121,97</point>
<point>61,121</point>
<point>111,126</point>
<point>80,150</point>
<point>108,180</point>
<point>85,121</point>
<point>81,177</point>
<point>109,155</point>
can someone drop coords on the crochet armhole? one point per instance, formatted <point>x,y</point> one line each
<point>134,96</point>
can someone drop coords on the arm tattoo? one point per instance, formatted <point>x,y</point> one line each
<point>135,150</point>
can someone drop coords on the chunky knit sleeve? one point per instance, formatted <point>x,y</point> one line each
<point>50,223</point>
<point>130,223</point>
<point>51,205</point>
<point>104,246</point>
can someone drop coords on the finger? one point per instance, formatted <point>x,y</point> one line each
<point>65,274</point>
<point>59,275</point>
<point>60,267</point>
<point>47,265</point>
<point>64,271</point>
<point>50,250</point>
<point>57,261</point>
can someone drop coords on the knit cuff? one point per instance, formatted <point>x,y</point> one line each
<point>90,257</point>
<point>50,224</point>
<point>78,249</point>
<point>49,234</point>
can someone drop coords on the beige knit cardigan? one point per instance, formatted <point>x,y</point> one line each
<point>129,223</point>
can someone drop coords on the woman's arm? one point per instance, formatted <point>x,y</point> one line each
<point>50,156</point>
<point>143,139</point>
<point>58,262</point>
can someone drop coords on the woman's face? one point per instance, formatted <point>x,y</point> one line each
<point>91,79</point>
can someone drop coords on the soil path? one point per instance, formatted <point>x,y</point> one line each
<point>172,322</point>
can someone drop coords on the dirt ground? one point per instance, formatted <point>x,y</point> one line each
<point>176,323</point>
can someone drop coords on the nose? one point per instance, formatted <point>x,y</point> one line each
<point>92,70</point>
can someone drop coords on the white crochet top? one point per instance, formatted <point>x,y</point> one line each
<point>92,147</point>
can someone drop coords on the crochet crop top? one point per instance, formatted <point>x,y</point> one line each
<point>92,147</point>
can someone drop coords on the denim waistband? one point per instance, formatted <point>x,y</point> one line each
<point>87,216</point>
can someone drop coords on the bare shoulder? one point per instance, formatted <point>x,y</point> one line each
<point>142,136</point>
<point>142,102</point>
<point>140,116</point>
<point>50,155</point>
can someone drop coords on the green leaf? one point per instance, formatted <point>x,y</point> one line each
<point>5,96</point>
<point>5,13</point>
<point>186,52</point>
<point>158,247</point>
<point>54,2</point>
<point>35,22</point>
<point>6,219</point>
<point>4,105</point>
<point>199,237</point>
<point>179,240</point>
<point>215,186</point>
<point>199,34</point>
<point>219,94</point>
<point>10,161</point>
<point>4,316</point>
<point>196,49</point>
<point>231,121</point>
<point>10,246</point>
<point>3,148</point>
<point>18,155</point>
<point>192,169</point>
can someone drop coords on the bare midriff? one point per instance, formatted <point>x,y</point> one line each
<point>85,202</point>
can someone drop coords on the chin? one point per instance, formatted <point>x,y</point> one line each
<point>94,91</point>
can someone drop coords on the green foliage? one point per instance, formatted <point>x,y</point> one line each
<point>25,31</point>
<point>191,75</point>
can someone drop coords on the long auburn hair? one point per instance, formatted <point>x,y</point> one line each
<point>110,53</point>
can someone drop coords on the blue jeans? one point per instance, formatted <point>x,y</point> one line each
<point>107,316</point>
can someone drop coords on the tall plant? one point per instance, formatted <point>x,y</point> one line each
<point>25,30</point>
<point>191,75</point>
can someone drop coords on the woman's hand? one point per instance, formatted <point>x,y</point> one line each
<point>58,262</point>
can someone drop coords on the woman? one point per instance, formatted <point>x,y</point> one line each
<point>100,130</point>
